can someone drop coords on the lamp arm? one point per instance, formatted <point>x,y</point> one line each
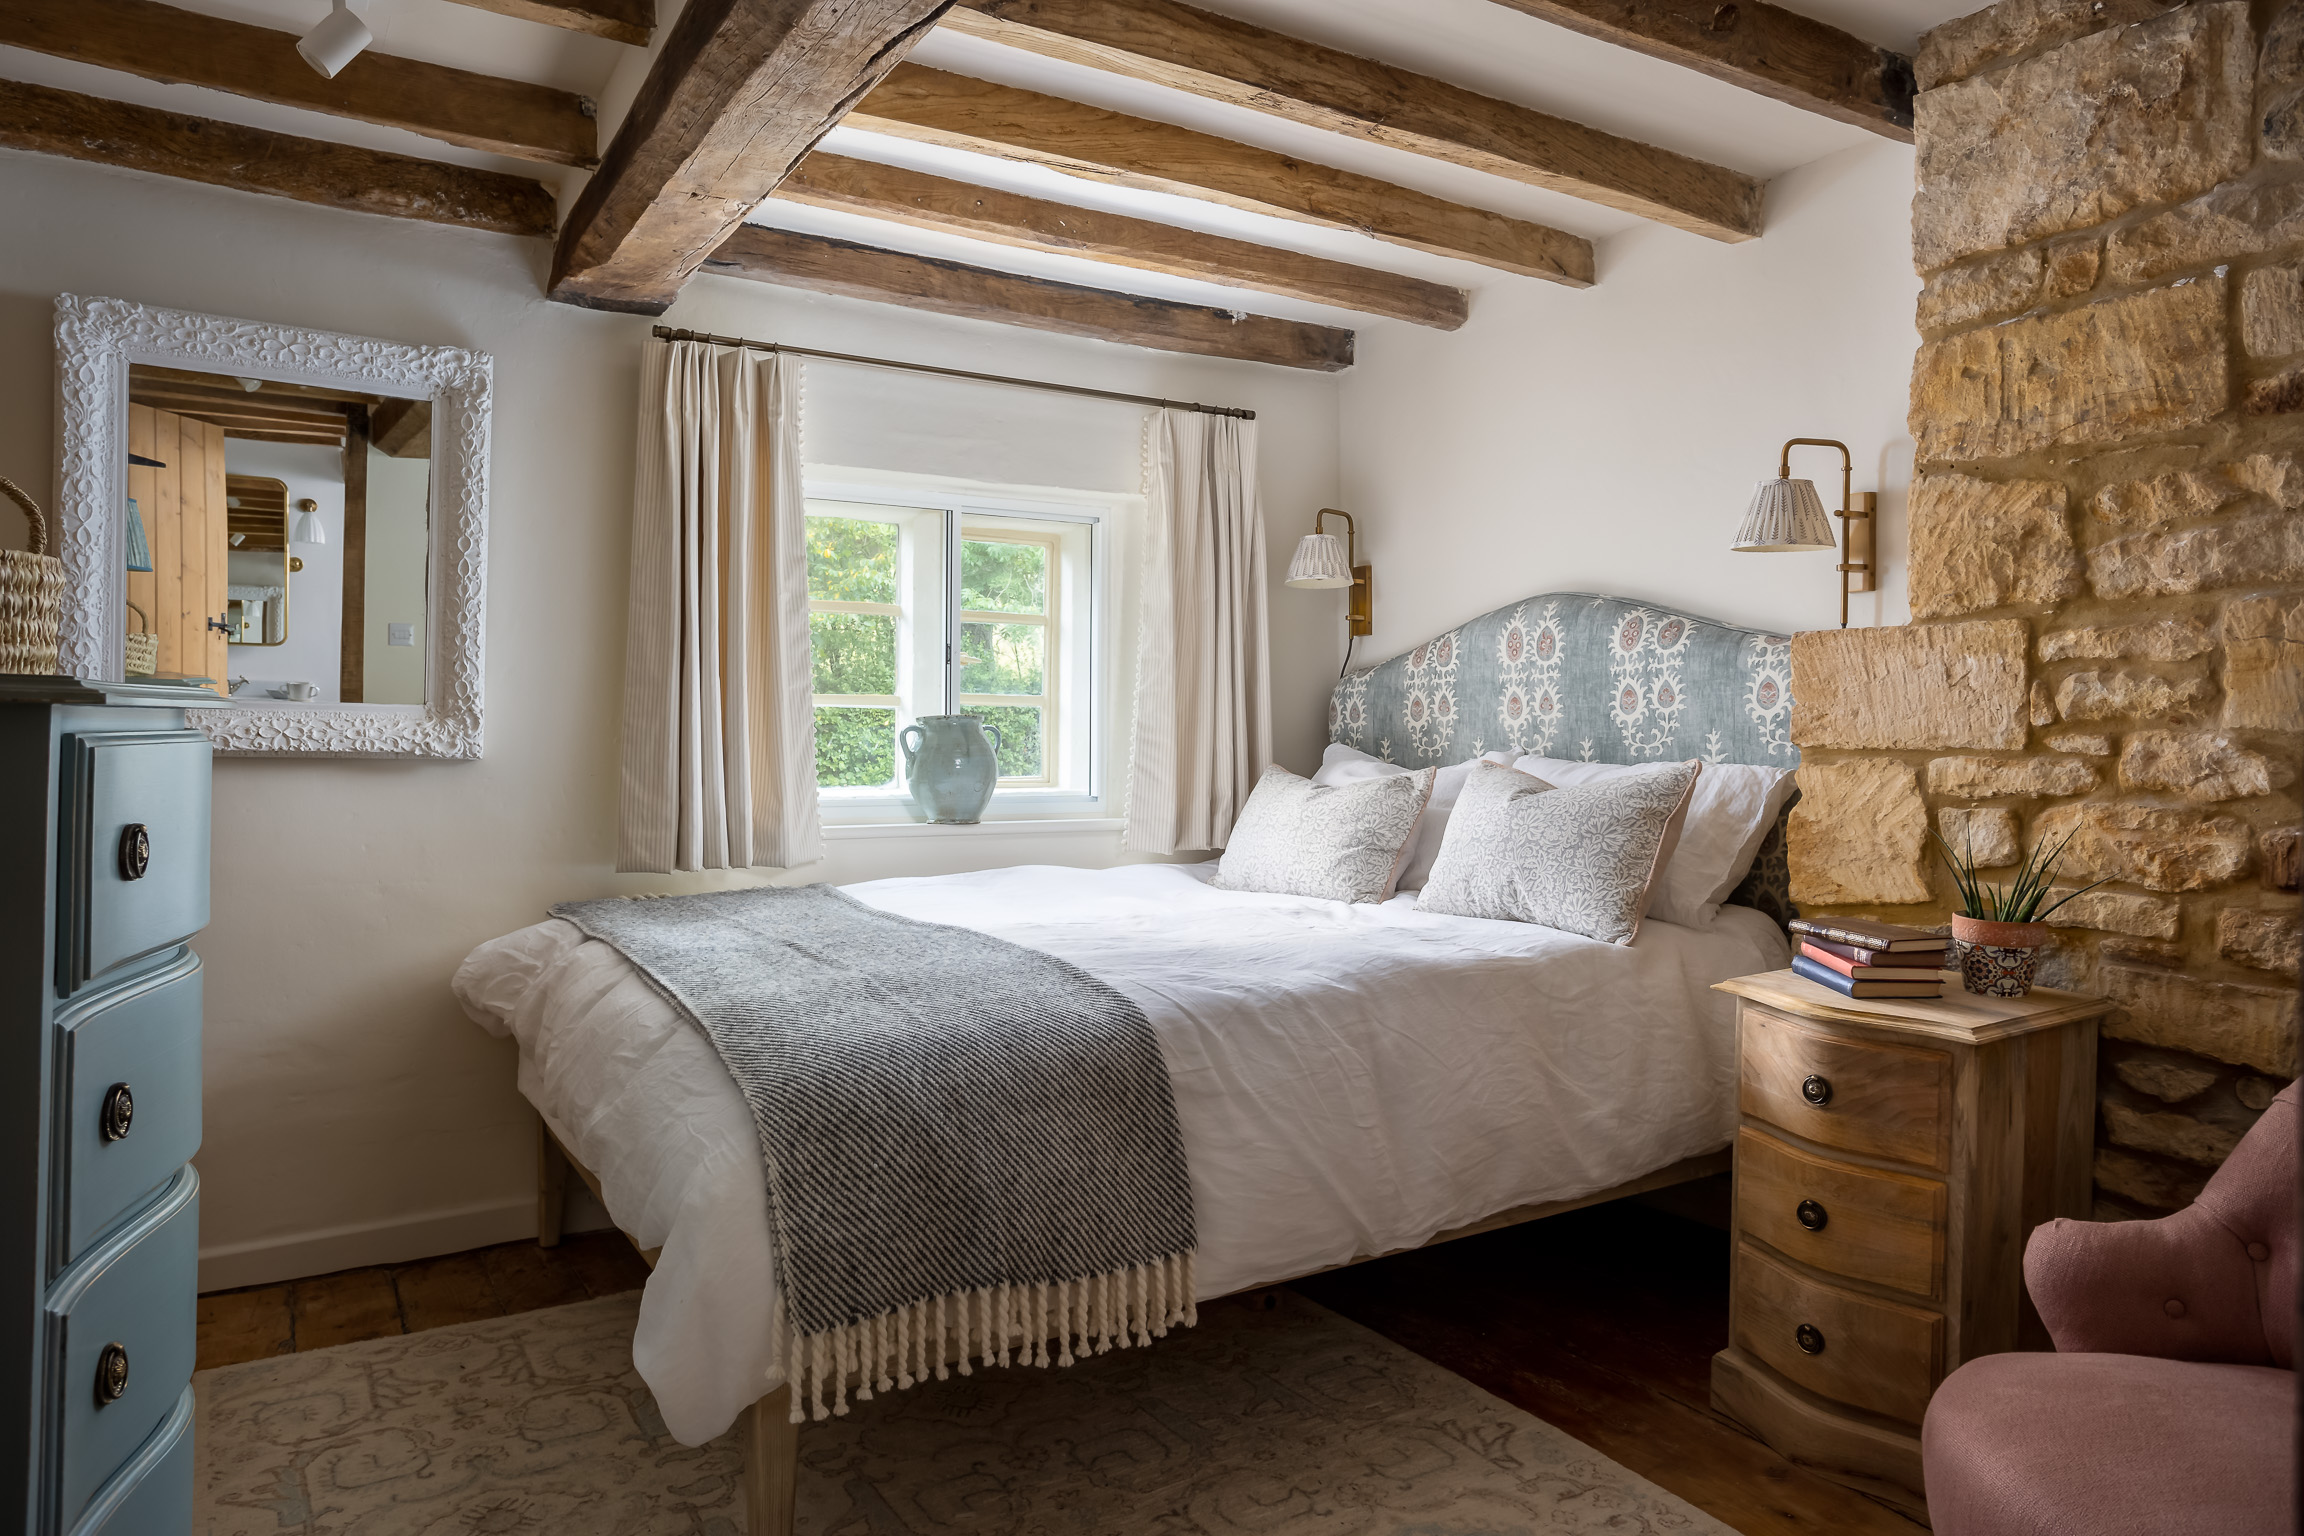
<point>1351,539</point>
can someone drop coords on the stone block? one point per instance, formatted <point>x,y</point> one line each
<point>2257,1092</point>
<point>1960,48</point>
<point>2272,311</point>
<point>1978,778</point>
<point>2042,709</point>
<point>2086,745</point>
<point>2284,127</point>
<point>2264,663</point>
<point>2142,917</point>
<point>2149,362</point>
<point>2278,477</point>
<point>1985,544</point>
<point>2164,498</point>
<point>2159,640</point>
<point>2152,113</point>
<point>2147,1181</point>
<point>2282,394</point>
<point>2262,548</point>
<point>1858,835</point>
<point>2269,941</point>
<point>2170,1135</point>
<point>2282,850</point>
<point>2231,222</point>
<point>2169,1081</point>
<point>2160,952</point>
<point>2008,283</point>
<point>2247,1026</point>
<point>1987,836</point>
<point>2121,694</point>
<point>1915,686</point>
<point>2159,849</point>
<point>2199,765</point>
<point>2281,60</point>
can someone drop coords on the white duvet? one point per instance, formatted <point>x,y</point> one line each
<point>1349,1079</point>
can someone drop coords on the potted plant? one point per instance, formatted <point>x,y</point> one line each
<point>1998,931</point>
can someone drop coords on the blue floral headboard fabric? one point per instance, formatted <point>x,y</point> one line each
<point>1599,679</point>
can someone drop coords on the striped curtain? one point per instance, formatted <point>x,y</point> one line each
<point>1203,728</point>
<point>719,731</point>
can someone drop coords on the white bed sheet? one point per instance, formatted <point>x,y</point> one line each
<point>1349,1080</point>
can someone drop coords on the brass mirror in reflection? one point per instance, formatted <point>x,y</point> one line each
<point>256,527</point>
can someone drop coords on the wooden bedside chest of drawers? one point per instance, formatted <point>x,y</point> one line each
<point>1891,1159</point>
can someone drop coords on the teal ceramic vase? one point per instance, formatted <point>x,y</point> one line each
<point>950,767</point>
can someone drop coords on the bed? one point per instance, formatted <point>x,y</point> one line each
<point>1350,1080</point>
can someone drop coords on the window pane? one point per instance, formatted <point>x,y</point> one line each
<point>998,577</point>
<point>855,748</point>
<point>854,652</point>
<point>851,560</point>
<point>1003,658</point>
<point>1021,754</point>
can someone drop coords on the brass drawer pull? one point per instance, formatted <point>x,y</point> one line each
<point>118,1114</point>
<point>1817,1090</point>
<point>1811,1215</point>
<point>135,851</point>
<point>111,1374</point>
<point>1810,1338</point>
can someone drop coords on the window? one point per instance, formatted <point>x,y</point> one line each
<point>963,608</point>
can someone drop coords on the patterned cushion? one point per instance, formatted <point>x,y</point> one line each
<point>1581,859</point>
<point>1341,764</point>
<point>1343,842</point>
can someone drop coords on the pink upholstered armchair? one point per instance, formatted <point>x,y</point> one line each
<point>2169,1407</point>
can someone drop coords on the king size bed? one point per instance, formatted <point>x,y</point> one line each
<point>1349,1078</point>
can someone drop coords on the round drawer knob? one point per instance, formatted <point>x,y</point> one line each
<point>111,1373</point>
<point>1810,1338</point>
<point>119,1113</point>
<point>135,851</point>
<point>1811,1215</point>
<point>1817,1090</point>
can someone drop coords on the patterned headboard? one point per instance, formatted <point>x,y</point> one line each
<point>1577,675</point>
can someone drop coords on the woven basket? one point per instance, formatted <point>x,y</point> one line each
<point>143,649</point>
<point>31,596</point>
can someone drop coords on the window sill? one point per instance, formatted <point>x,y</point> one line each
<point>1022,826</point>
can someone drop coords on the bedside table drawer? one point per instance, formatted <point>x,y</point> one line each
<point>1887,1228</point>
<point>1890,1101</point>
<point>131,1100</point>
<point>1852,1349</point>
<point>135,856</point>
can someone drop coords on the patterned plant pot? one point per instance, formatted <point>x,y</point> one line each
<point>1997,959</point>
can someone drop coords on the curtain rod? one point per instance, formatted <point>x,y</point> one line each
<point>667,333</point>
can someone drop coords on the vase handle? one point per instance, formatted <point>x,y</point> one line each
<point>993,731</point>
<point>904,740</point>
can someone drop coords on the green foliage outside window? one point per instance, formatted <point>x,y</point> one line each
<point>1003,658</point>
<point>855,748</point>
<point>854,652</point>
<point>851,560</point>
<point>1020,733</point>
<point>999,577</point>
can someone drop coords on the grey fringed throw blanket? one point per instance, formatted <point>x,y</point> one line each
<point>971,1146</point>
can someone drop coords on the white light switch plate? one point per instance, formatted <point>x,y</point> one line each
<point>399,634</point>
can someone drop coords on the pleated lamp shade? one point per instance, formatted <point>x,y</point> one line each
<point>310,530</point>
<point>139,549</point>
<point>1785,516</point>
<point>1319,562</point>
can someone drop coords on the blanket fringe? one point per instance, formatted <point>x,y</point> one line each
<point>897,1349</point>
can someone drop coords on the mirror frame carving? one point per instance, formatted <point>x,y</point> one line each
<point>96,341</point>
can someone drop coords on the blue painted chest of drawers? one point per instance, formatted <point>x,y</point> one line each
<point>103,877</point>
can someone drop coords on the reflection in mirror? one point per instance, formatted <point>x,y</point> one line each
<point>286,531</point>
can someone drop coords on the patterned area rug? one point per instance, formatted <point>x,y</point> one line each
<point>1279,1421</point>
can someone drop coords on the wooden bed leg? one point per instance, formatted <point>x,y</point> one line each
<point>551,1186</point>
<point>771,1464</point>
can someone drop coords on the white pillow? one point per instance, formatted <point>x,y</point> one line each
<point>1728,819</point>
<point>1341,842</point>
<point>1341,764</point>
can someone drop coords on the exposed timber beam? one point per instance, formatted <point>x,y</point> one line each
<point>160,42</point>
<point>1184,49</point>
<point>932,107</point>
<point>984,213</point>
<point>1781,54</point>
<point>976,293</point>
<point>739,92</point>
<point>402,428</point>
<point>625,21</point>
<point>52,122</point>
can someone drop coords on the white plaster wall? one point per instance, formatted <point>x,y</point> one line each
<point>1607,440</point>
<point>353,1114</point>
<point>316,593</point>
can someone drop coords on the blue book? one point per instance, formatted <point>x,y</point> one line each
<point>1825,976</point>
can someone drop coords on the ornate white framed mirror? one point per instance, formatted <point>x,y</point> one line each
<point>292,519</point>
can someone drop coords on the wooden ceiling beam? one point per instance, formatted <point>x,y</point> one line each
<point>932,107</point>
<point>161,42</point>
<point>1184,49</point>
<point>141,374</point>
<point>1781,54</point>
<point>53,122</point>
<point>267,435</point>
<point>739,92</point>
<point>976,293</point>
<point>923,201</point>
<point>624,21</point>
<point>402,428</point>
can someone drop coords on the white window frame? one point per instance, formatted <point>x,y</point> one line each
<point>1084,793</point>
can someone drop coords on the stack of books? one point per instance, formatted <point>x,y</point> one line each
<point>1857,957</point>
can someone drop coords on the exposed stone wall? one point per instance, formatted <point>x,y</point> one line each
<point>2107,548</point>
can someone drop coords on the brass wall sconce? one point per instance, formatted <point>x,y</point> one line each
<point>1323,564</point>
<point>1786,515</point>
